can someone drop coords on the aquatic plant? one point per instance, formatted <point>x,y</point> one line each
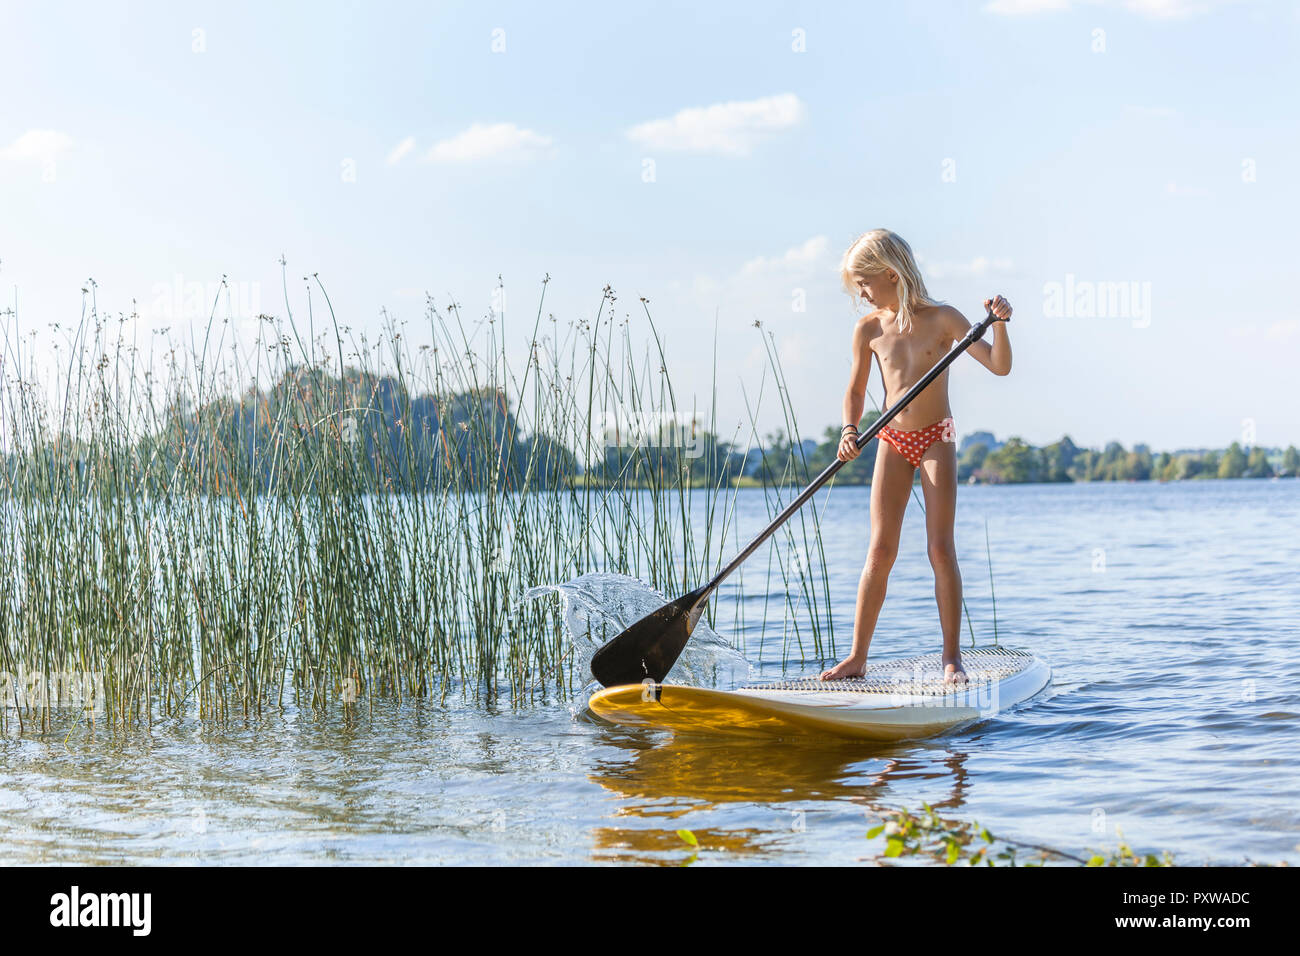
<point>953,842</point>
<point>690,839</point>
<point>320,518</point>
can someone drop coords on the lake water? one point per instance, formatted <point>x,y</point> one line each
<point>1170,615</point>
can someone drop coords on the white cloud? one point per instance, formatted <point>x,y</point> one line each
<point>36,144</point>
<point>489,141</point>
<point>728,128</point>
<point>798,258</point>
<point>767,283</point>
<point>1283,329</point>
<point>770,274</point>
<point>401,151</point>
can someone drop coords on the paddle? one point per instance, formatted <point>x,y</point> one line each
<point>649,648</point>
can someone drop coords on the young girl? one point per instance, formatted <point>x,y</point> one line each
<point>908,333</point>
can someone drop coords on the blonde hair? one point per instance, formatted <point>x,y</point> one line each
<point>878,251</point>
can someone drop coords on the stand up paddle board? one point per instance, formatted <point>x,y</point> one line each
<point>896,700</point>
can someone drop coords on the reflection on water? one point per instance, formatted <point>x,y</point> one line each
<point>1174,714</point>
<point>776,785</point>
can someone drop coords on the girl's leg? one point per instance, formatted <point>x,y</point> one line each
<point>939,484</point>
<point>891,485</point>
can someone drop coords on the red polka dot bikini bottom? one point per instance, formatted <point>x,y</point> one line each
<point>912,445</point>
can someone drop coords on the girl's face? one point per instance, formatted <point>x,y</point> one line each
<point>879,288</point>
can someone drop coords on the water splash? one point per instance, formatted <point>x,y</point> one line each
<point>599,606</point>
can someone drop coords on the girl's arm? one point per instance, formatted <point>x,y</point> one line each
<point>996,357</point>
<point>855,397</point>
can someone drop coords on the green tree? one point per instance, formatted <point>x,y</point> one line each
<point>1058,458</point>
<point>1082,469</point>
<point>1257,465</point>
<point>1110,466</point>
<point>1291,462</point>
<point>1233,462</point>
<point>972,460</point>
<point>1016,461</point>
<point>1137,465</point>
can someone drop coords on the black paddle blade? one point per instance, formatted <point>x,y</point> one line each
<point>649,648</point>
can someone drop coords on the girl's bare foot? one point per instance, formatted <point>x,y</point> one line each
<point>953,672</point>
<point>849,667</point>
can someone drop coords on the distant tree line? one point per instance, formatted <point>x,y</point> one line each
<point>983,459</point>
<point>408,440</point>
<point>1018,461</point>
<point>369,431</point>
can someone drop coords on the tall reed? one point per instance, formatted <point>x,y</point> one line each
<point>323,518</point>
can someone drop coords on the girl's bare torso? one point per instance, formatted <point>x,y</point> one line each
<point>904,357</point>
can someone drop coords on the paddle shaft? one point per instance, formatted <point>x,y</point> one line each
<point>971,337</point>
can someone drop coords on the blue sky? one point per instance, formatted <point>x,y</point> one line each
<point>1028,147</point>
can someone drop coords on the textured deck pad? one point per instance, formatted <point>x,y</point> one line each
<point>897,700</point>
<point>919,676</point>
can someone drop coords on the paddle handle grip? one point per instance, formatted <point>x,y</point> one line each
<point>970,338</point>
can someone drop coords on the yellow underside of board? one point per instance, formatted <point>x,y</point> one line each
<point>696,710</point>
